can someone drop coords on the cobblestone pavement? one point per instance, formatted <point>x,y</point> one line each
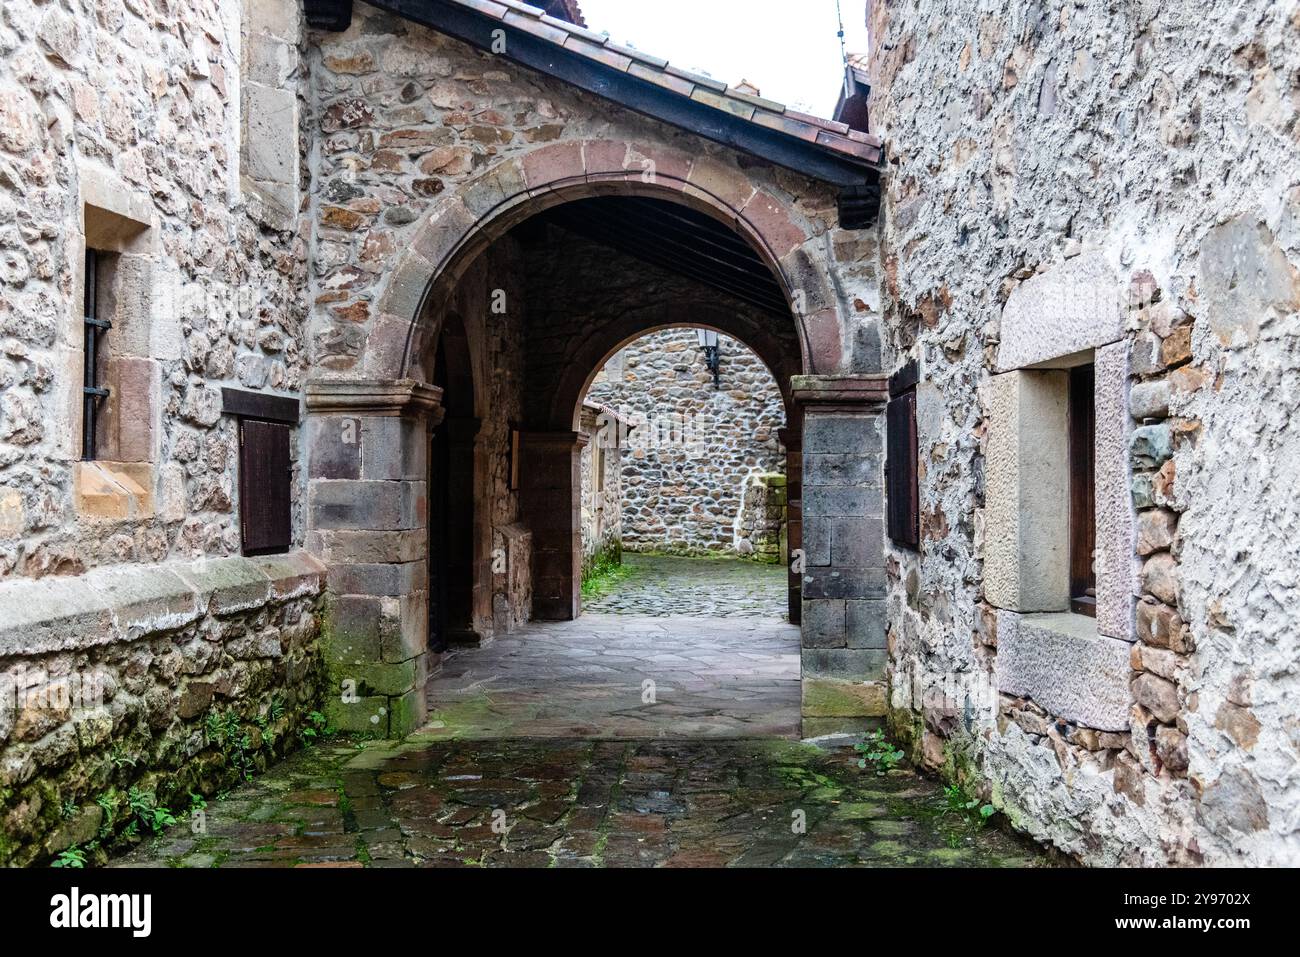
<point>583,803</point>
<point>665,585</point>
<point>542,752</point>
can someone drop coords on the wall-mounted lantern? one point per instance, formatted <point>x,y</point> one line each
<point>712,355</point>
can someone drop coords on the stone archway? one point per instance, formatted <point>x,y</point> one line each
<point>379,549</point>
<point>487,206</point>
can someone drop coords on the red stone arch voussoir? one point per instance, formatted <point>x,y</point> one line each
<point>468,218</point>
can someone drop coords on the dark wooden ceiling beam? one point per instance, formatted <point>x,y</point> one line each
<point>632,236</point>
<point>690,247</point>
<point>750,293</point>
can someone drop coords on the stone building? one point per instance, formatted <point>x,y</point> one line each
<point>301,301</point>
<point>602,484</point>
<point>699,452</point>
<point>1091,198</point>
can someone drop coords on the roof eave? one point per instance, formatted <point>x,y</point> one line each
<point>856,177</point>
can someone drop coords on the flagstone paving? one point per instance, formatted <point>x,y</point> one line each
<point>624,676</point>
<point>547,749</point>
<point>584,803</point>
<point>725,664</point>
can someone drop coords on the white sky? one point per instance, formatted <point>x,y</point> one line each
<point>789,51</point>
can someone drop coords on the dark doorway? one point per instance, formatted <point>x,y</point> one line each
<point>452,579</point>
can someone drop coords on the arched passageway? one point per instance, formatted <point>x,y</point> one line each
<point>544,306</point>
<point>551,260</point>
<point>535,316</point>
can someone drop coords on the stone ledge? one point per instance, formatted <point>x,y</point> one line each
<point>1062,663</point>
<point>123,602</point>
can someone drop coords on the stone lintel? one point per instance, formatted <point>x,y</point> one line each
<point>404,397</point>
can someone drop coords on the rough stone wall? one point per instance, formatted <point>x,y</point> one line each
<point>693,450</point>
<point>135,107</point>
<point>760,526</point>
<point>120,131</point>
<point>1161,138</point>
<point>127,688</point>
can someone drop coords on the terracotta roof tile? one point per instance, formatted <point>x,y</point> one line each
<point>759,102</point>
<point>595,51</point>
<point>662,78</point>
<point>597,38</point>
<point>635,54</point>
<point>787,124</point>
<point>492,8</point>
<point>699,79</point>
<point>556,32</point>
<point>737,107</point>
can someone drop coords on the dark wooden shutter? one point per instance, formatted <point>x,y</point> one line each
<point>901,485</point>
<point>264,487</point>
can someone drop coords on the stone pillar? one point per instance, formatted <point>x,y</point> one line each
<point>551,494</point>
<point>843,633</point>
<point>367,455</point>
<point>791,439</point>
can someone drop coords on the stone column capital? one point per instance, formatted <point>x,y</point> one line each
<point>840,393</point>
<point>408,398</point>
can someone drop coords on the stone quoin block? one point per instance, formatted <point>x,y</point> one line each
<point>847,664</point>
<point>823,624</point>
<point>334,447</point>
<point>377,579</point>
<point>841,500</point>
<point>844,582</point>
<point>393,448</point>
<point>865,624</point>
<point>342,503</point>
<point>857,542</point>
<point>842,469</point>
<point>839,435</point>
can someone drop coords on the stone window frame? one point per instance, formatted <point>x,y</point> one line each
<point>1075,666</point>
<point>119,224</point>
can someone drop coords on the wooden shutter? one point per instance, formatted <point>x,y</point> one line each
<point>901,485</point>
<point>264,487</point>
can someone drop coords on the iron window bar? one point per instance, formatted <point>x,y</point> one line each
<point>92,393</point>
